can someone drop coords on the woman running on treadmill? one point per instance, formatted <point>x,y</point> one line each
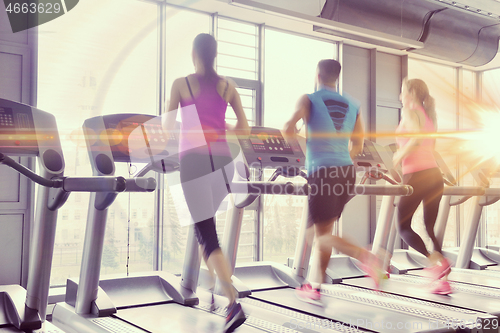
<point>203,97</point>
<point>333,122</point>
<point>420,170</point>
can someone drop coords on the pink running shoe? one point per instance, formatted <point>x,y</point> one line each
<point>437,271</point>
<point>371,266</point>
<point>307,294</point>
<point>442,288</point>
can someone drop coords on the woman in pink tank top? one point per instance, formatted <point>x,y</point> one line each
<point>206,167</point>
<point>420,170</point>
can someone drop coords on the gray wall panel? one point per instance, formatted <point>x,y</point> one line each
<point>356,76</point>
<point>9,184</point>
<point>11,67</point>
<point>6,34</point>
<point>388,78</point>
<point>11,245</point>
<point>356,83</point>
<point>16,194</point>
<point>387,121</point>
<point>389,73</point>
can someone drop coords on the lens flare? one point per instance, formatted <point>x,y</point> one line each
<point>480,144</point>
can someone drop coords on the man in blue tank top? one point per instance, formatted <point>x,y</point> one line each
<point>334,135</point>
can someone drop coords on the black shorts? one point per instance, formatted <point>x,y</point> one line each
<point>331,189</point>
<point>206,234</point>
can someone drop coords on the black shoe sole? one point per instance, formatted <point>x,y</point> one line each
<point>237,323</point>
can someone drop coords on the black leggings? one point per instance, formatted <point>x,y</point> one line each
<point>204,194</point>
<point>427,188</point>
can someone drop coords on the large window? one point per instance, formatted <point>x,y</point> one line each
<point>491,87</point>
<point>468,100</point>
<point>238,49</point>
<point>491,96</point>
<point>238,59</point>
<point>93,61</point>
<point>290,69</point>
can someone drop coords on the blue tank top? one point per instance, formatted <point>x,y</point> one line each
<point>331,122</point>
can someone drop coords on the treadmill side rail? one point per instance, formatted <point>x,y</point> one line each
<point>101,307</point>
<point>179,294</point>
<point>64,317</point>
<point>12,305</point>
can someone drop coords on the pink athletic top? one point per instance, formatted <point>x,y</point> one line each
<point>422,157</point>
<point>204,120</point>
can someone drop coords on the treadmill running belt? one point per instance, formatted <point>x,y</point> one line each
<point>372,310</point>
<point>481,278</point>
<point>175,318</point>
<point>471,297</point>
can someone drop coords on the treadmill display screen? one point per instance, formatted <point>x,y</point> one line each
<point>144,139</point>
<point>366,154</point>
<point>256,141</point>
<point>6,117</point>
<point>272,143</point>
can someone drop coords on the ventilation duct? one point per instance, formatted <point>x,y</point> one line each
<point>440,29</point>
<point>448,33</point>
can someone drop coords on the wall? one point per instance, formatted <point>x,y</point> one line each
<point>16,70</point>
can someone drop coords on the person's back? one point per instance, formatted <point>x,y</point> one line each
<point>203,97</point>
<point>331,121</point>
<point>205,124</point>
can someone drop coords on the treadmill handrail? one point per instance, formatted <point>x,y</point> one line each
<point>464,190</point>
<point>93,184</point>
<point>255,188</point>
<point>69,184</point>
<point>6,160</point>
<point>265,187</point>
<point>140,184</point>
<point>492,192</point>
<point>392,190</point>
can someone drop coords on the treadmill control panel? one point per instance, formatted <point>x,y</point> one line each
<point>6,117</point>
<point>136,138</point>
<point>484,171</point>
<point>264,142</point>
<point>266,147</point>
<point>376,158</point>
<point>25,130</point>
<point>370,156</point>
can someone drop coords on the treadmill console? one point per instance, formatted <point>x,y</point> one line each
<point>370,157</point>
<point>136,138</point>
<point>484,171</point>
<point>27,131</point>
<point>6,117</point>
<point>266,147</point>
<point>375,157</point>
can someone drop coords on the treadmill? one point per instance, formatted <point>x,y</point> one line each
<point>407,260</point>
<point>345,306</point>
<point>412,261</point>
<point>480,258</point>
<point>478,266</point>
<point>28,131</point>
<point>410,282</point>
<point>143,302</point>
